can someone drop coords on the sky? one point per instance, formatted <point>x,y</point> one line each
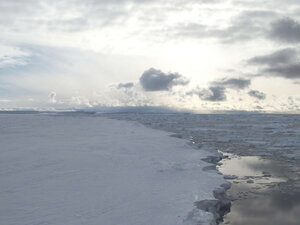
<point>200,55</point>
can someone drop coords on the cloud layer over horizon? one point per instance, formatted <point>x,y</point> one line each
<point>227,55</point>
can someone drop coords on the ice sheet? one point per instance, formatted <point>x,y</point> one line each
<point>80,169</point>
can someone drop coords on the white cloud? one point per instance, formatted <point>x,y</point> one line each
<point>52,97</point>
<point>12,56</point>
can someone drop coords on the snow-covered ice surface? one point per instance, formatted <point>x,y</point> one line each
<point>83,169</point>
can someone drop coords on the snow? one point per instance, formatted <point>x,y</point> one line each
<point>84,169</point>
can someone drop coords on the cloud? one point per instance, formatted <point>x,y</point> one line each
<point>257,94</point>
<point>285,30</point>
<point>233,83</point>
<point>72,16</point>
<point>11,56</point>
<point>282,63</point>
<point>216,92</point>
<point>282,56</point>
<point>52,97</point>
<point>267,4</point>
<point>125,85</point>
<point>213,94</point>
<point>247,25</point>
<point>290,71</point>
<point>156,80</point>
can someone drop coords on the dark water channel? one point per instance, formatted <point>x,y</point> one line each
<point>258,198</point>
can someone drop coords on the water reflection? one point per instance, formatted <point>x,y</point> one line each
<point>259,202</point>
<point>252,169</point>
<point>273,208</point>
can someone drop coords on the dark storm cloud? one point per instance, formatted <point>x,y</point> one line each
<point>283,56</point>
<point>233,83</point>
<point>125,85</point>
<point>285,30</point>
<point>156,80</point>
<point>257,94</point>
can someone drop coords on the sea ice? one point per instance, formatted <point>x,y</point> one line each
<point>82,169</point>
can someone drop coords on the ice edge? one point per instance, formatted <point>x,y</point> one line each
<point>221,205</point>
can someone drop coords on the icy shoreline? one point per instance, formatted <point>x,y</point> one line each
<point>268,136</point>
<point>80,169</point>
